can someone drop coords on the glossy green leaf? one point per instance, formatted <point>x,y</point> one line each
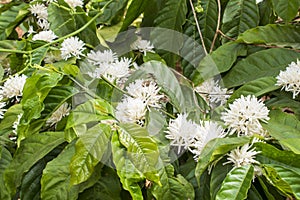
<point>285,128</point>
<point>218,62</point>
<point>286,9</point>
<point>286,179</point>
<point>90,148</point>
<point>215,149</point>
<point>93,110</point>
<point>261,64</point>
<point>129,175</point>
<point>236,184</point>
<point>239,16</point>
<point>10,18</point>
<point>257,88</point>
<point>172,186</point>
<point>61,20</point>
<point>273,34</point>
<point>38,55</point>
<point>142,150</point>
<point>30,151</point>
<point>5,159</point>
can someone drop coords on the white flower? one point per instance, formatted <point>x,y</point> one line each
<point>182,132</point>
<point>143,46</point>
<point>98,57</point>
<point>39,10</point>
<point>74,3</point>
<point>2,110</point>
<point>47,36</point>
<point>119,68</point>
<point>61,112</point>
<point>242,156</point>
<point>212,92</point>
<point>207,131</point>
<point>258,1</point>
<point>13,87</point>
<point>290,78</point>
<point>244,116</point>
<point>44,24</point>
<point>148,91</point>
<point>50,1</point>
<point>72,47</point>
<point>16,124</point>
<point>131,110</point>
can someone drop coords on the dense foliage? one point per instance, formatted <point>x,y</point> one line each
<point>150,99</point>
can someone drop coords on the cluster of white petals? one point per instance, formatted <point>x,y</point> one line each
<point>40,12</point>
<point>191,136</point>
<point>242,156</point>
<point>102,57</point>
<point>289,79</point>
<point>2,109</point>
<point>213,93</point>
<point>16,124</point>
<point>72,46</point>
<point>143,46</point>
<point>47,36</point>
<point>61,112</point>
<point>74,3</point>
<point>13,87</point>
<point>143,95</point>
<point>244,116</point>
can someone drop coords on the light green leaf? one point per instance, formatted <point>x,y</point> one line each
<point>129,175</point>
<point>10,116</point>
<point>263,63</point>
<point>273,34</point>
<point>142,150</point>
<point>90,148</point>
<point>5,159</point>
<point>239,16</point>
<point>218,62</point>
<point>172,186</point>
<point>286,9</point>
<point>236,184</point>
<point>215,149</point>
<point>257,88</point>
<point>93,110</point>
<point>11,17</point>
<point>31,150</point>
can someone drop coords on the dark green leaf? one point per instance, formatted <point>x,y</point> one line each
<point>5,159</point>
<point>236,184</point>
<point>286,9</point>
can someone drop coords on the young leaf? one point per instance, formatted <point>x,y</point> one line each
<point>273,34</point>
<point>239,16</point>
<point>236,184</point>
<point>263,63</point>
<point>90,148</point>
<point>30,151</point>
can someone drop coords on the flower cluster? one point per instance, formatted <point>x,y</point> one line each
<point>289,79</point>
<point>72,46</point>
<point>244,116</point>
<point>213,93</point>
<point>74,3</point>
<point>191,136</point>
<point>13,87</point>
<point>61,112</point>
<point>40,11</point>
<point>143,95</point>
<point>47,36</point>
<point>143,46</point>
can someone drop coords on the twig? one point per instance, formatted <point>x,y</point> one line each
<point>198,27</point>
<point>218,27</point>
<point>225,36</point>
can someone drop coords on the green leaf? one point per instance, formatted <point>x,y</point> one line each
<point>5,159</point>
<point>129,175</point>
<point>257,65</point>
<point>135,9</point>
<point>93,110</point>
<point>287,180</point>
<point>142,150</point>
<point>113,12</point>
<point>90,148</point>
<point>215,149</point>
<point>172,186</point>
<point>12,45</point>
<point>257,87</point>
<point>10,116</point>
<point>11,17</point>
<point>61,21</point>
<point>55,182</point>
<point>38,55</point>
<point>30,151</point>
<point>236,184</point>
<point>239,16</point>
<point>218,62</point>
<point>285,128</point>
<point>286,9</point>
<point>273,34</point>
